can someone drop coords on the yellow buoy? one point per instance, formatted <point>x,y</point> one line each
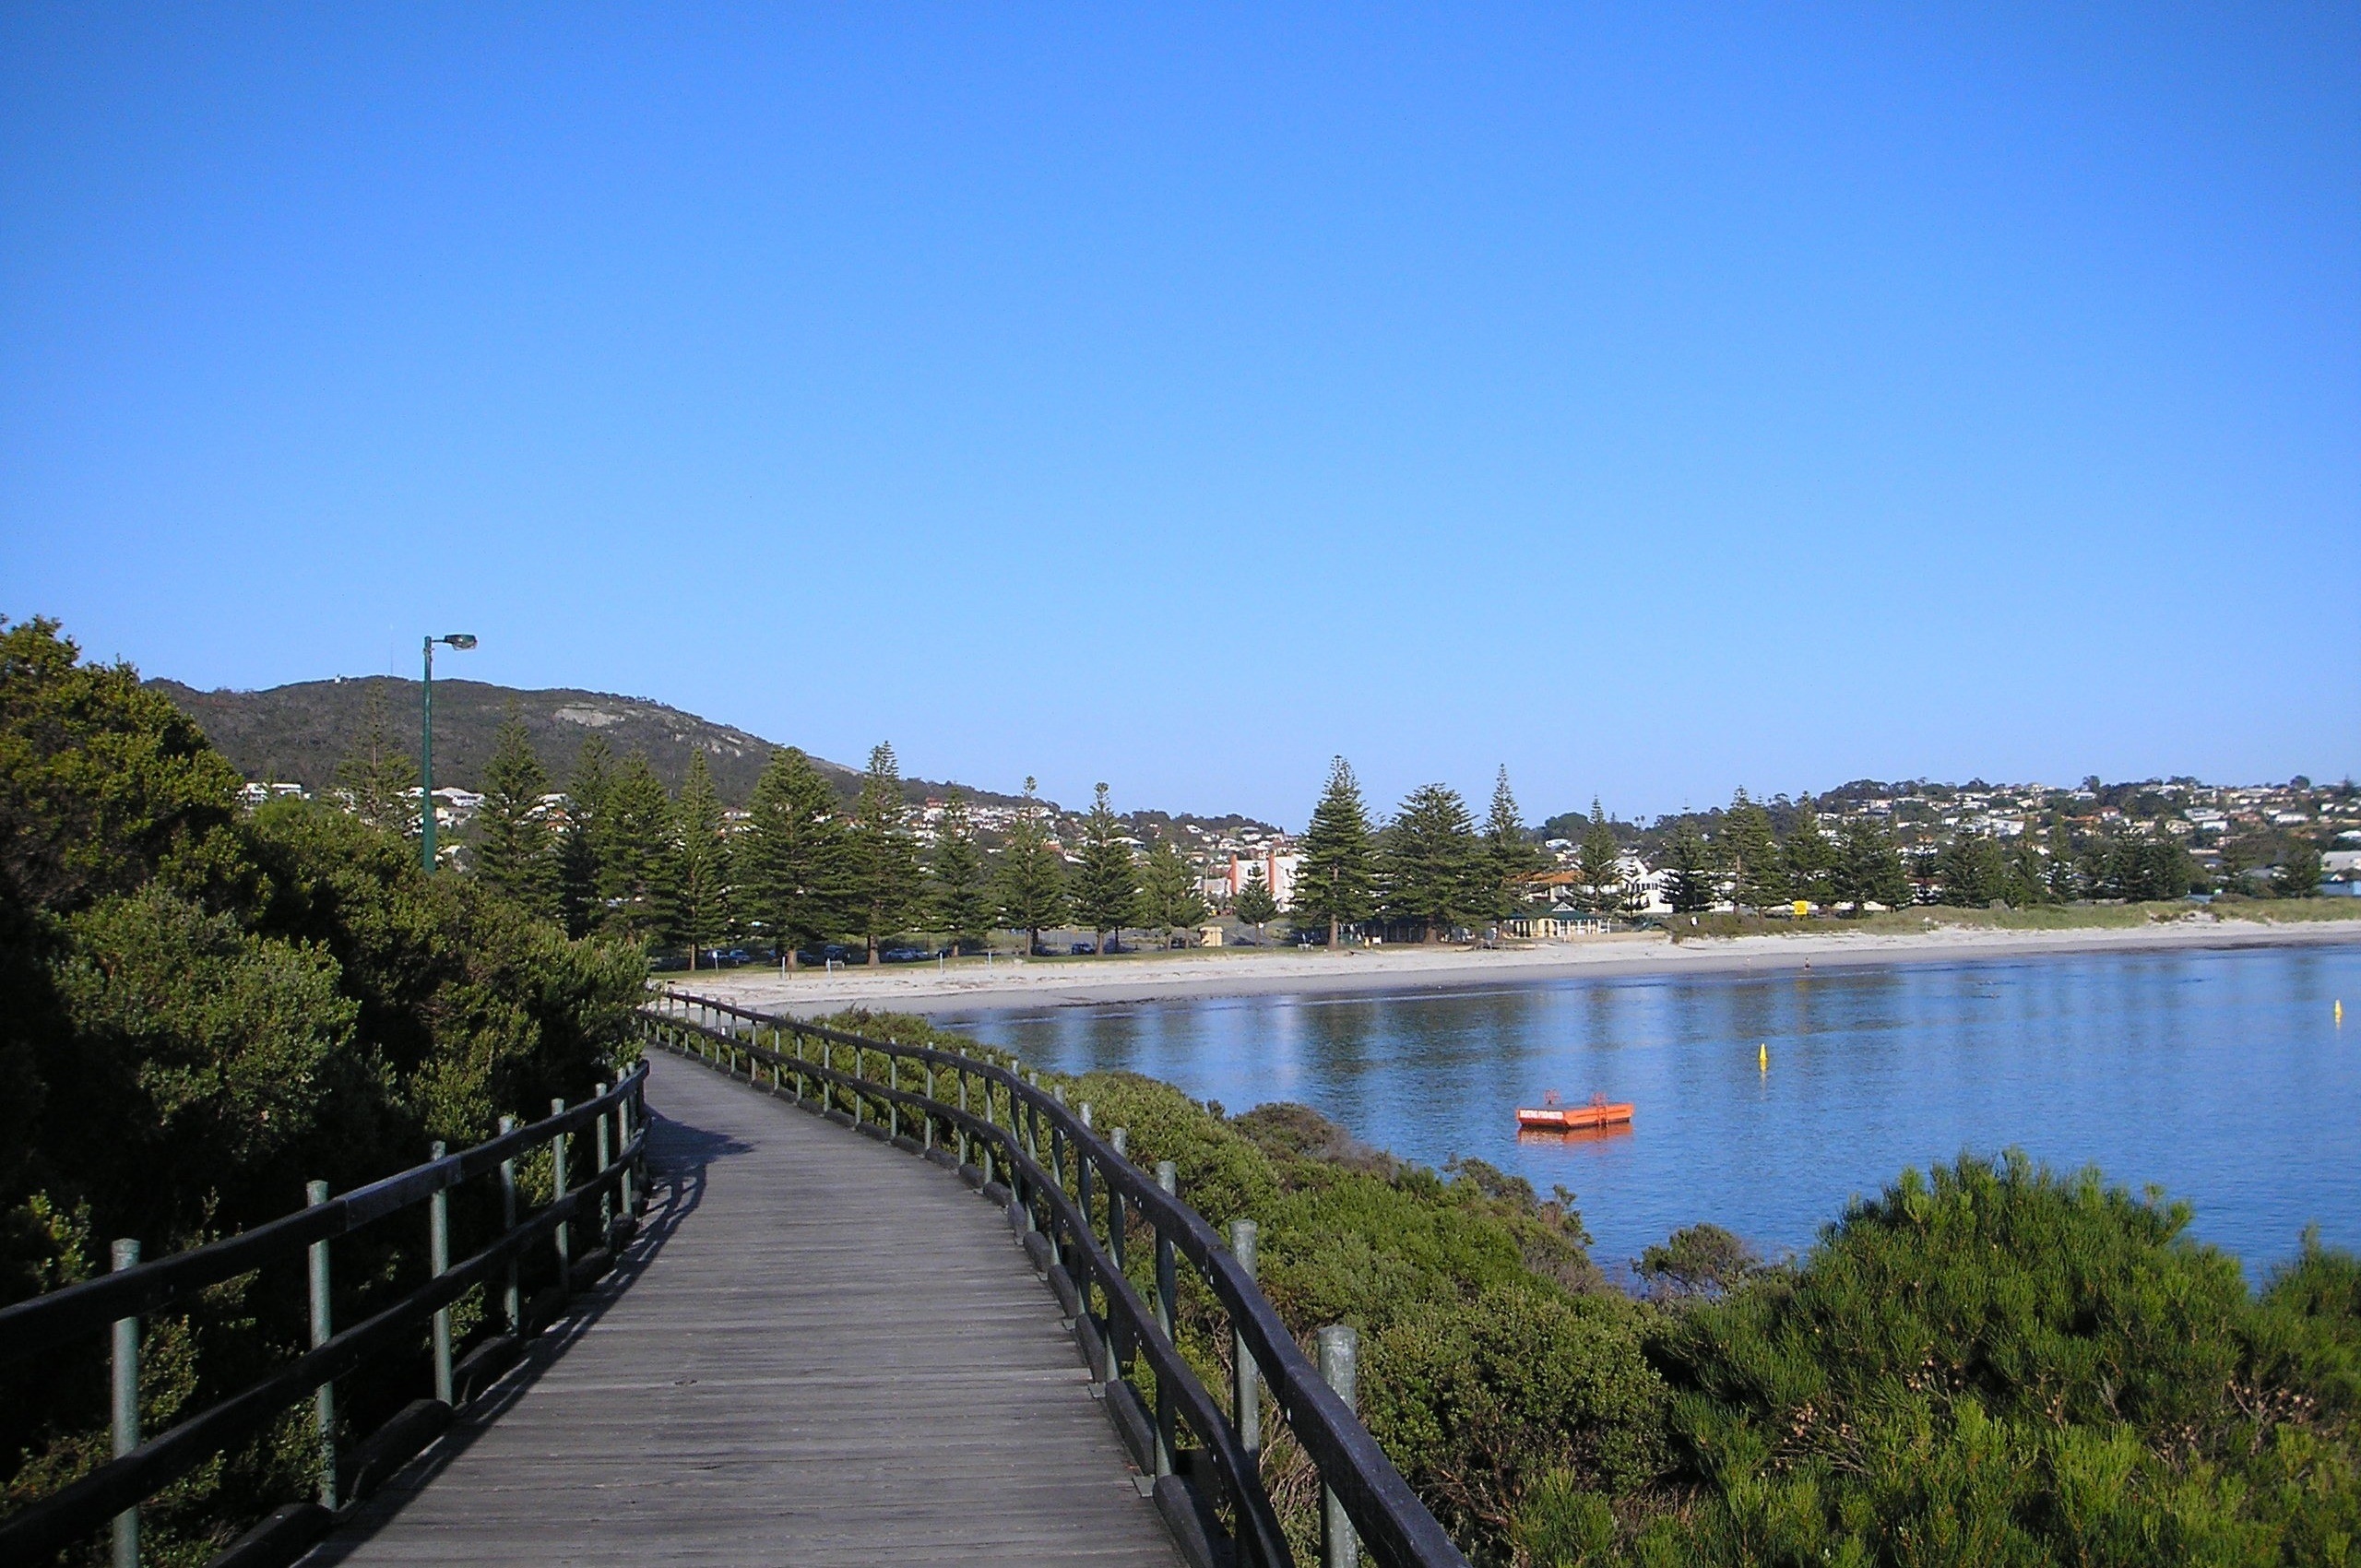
<point>1763,1056</point>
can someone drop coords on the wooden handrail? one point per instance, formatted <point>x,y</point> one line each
<point>1393,1526</point>
<point>45,1321</point>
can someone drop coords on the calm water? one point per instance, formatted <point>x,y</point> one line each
<point>2220,1075</point>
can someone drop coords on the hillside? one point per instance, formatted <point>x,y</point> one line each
<point>298,734</point>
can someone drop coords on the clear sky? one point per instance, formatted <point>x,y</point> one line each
<point>1653,400</point>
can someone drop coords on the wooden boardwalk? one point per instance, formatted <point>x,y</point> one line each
<point>820,1351</point>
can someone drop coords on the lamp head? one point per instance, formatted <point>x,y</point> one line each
<point>459,640</point>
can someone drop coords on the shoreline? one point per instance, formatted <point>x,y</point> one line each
<point>1019,985</point>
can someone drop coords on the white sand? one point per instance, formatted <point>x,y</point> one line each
<point>972,985</point>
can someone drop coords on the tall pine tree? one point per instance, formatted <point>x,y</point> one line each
<point>1809,856</point>
<point>639,867</point>
<point>1255,905</point>
<point>961,901</point>
<point>378,776</point>
<point>1749,855</point>
<point>1510,858</point>
<point>1600,862</point>
<point>1107,880</point>
<point>704,904</point>
<point>1688,868</point>
<point>578,845</point>
<point>1336,880</point>
<point>1030,882</point>
<point>1868,868</point>
<point>1170,900</point>
<point>792,875</point>
<point>1431,865</point>
<point>513,850</point>
<point>887,881</point>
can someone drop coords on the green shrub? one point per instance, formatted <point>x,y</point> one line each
<point>199,1011</point>
<point>2003,1366</point>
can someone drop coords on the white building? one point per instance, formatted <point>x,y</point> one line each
<point>1225,883</point>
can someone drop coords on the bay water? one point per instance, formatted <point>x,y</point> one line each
<point>2220,1075</point>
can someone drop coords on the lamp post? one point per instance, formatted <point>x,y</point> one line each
<point>461,641</point>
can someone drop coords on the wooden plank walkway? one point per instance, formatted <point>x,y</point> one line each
<point>820,1351</point>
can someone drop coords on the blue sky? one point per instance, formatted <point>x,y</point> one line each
<point>1653,403</point>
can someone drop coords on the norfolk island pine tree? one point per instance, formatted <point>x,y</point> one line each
<point>1335,881</point>
<point>793,876</point>
<point>1256,906</point>
<point>1430,861</point>
<point>1030,885</point>
<point>513,850</point>
<point>957,892</point>
<point>888,883</point>
<point>704,881</point>
<point>1168,899</point>
<point>1107,883</point>
<point>1510,855</point>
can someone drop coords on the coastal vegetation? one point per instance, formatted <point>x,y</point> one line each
<point>1990,1362</point>
<point>201,1009</point>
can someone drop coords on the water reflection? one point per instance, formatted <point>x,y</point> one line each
<point>2219,1074</point>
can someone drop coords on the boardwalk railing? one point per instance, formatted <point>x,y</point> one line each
<point>1077,1199</point>
<point>614,1192</point>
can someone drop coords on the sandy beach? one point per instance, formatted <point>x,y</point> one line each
<point>971,985</point>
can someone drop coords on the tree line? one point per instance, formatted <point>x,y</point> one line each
<point>802,872</point>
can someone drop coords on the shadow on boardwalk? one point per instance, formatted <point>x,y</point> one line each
<point>818,1351</point>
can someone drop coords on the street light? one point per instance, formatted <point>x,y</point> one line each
<point>461,642</point>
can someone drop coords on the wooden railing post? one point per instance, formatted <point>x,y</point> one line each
<point>961,1074</point>
<point>1167,1317</point>
<point>1339,1359</point>
<point>628,1181</point>
<point>1057,1175</point>
<point>604,1150</point>
<point>125,1390</point>
<point>438,1262</point>
<point>929,1115</point>
<point>323,1330</point>
<point>892,1106</point>
<point>1245,1409</point>
<point>1113,1370</point>
<point>989,1122</point>
<point>558,1183</point>
<point>514,1298</point>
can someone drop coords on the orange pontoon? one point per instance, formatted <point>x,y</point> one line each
<point>1553,1115</point>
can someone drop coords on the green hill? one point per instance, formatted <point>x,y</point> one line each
<point>298,734</point>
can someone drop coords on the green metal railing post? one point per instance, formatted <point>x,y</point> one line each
<point>606,1157</point>
<point>1339,1358</point>
<point>630,1178</point>
<point>1245,1410</point>
<point>962,1074</point>
<point>892,1106</point>
<point>989,1122</point>
<point>514,1298</point>
<point>828,1065</point>
<point>929,1115</point>
<point>558,1182</point>
<point>323,1330</point>
<point>126,1389</point>
<point>438,1260</point>
<point>1057,1177</point>
<point>1115,1220</point>
<point>1167,1317</point>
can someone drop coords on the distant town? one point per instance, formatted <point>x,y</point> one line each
<point>2236,837</point>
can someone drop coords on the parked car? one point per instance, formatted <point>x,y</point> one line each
<point>905,955</point>
<point>1079,948</point>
